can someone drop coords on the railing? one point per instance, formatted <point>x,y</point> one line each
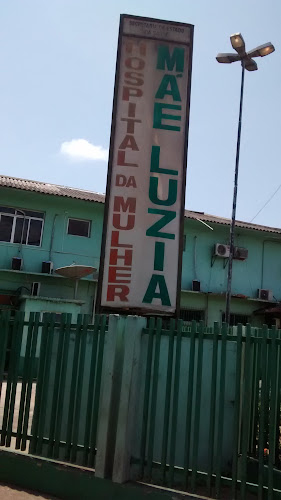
<point>50,377</point>
<point>195,410</point>
<point>210,410</point>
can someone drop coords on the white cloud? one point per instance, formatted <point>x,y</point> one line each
<point>82,150</point>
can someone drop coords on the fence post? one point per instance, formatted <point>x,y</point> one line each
<point>110,388</point>
<point>128,397</point>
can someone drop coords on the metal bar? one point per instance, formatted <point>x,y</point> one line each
<point>257,393</point>
<point>189,402</point>
<point>24,380</point>
<point>30,377</point>
<point>167,401</point>
<point>175,403</point>
<point>232,227</point>
<point>19,334</point>
<point>246,411</point>
<point>213,397</point>
<point>9,379</point>
<point>4,329</point>
<point>54,408</point>
<point>254,395</point>
<point>45,386</point>
<point>39,384</point>
<point>263,409</point>
<point>153,398</point>
<point>61,384</point>
<point>197,407</point>
<point>147,387</point>
<point>91,387</point>
<point>236,419</point>
<point>93,434</point>
<point>73,384</point>
<point>273,409</point>
<point>221,410</point>
<point>79,386</point>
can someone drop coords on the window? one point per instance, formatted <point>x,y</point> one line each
<point>189,315</point>
<point>235,319</point>
<point>21,226</point>
<point>79,227</point>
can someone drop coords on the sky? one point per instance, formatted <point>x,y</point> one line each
<point>57,60</point>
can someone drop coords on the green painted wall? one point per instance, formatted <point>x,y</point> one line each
<point>262,269</point>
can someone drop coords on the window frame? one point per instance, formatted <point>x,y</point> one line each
<point>188,321</point>
<point>81,220</point>
<point>16,216</point>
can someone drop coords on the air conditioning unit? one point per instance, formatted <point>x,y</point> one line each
<point>17,263</point>
<point>196,286</point>
<point>221,250</point>
<point>240,253</point>
<point>47,267</point>
<point>35,288</point>
<point>265,294</point>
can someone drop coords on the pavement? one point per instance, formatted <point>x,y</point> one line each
<point>8,492</point>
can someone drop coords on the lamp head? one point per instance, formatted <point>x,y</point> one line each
<point>227,58</point>
<point>262,50</point>
<point>237,42</point>
<point>249,64</point>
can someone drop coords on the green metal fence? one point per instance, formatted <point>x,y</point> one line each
<point>210,410</point>
<point>50,377</point>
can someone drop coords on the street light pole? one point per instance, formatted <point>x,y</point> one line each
<point>248,63</point>
<point>232,227</point>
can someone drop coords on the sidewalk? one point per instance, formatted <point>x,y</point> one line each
<point>8,492</point>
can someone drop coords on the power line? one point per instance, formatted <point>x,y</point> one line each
<point>267,202</point>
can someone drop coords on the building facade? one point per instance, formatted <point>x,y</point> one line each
<point>44,227</point>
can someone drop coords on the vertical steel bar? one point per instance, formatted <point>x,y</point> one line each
<point>14,325</point>
<point>91,387</point>
<point>30,378</point>
<point>4,329</point>
<point>213,397</point>
<point>154,398</point>
<point>46,389</point>
<point>73,384</point>
<point>175,403</point>
<point>189,403</point>
<point>273,408</point>
<point>197,413</point>
<point>78,398</point>
<point>167,407</point>
<point>61,392</point>
<point>38,396</point>
<point>93,433</point>
<point>232,227</point>
<point>15,378</point>
<point>54,408</point>
<point>237,404</point>
<point>246,412</point>
<point>221,409</point>
<point>24,380</point>
<point>264,367</point>
<point>147,387</point>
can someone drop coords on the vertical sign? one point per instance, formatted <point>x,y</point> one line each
<point>142,238</point>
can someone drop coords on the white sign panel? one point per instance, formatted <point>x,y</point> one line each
<point>141,258</point>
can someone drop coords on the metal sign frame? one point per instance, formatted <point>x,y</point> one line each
<point>138,310</point>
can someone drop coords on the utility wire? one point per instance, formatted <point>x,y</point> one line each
<point>267,202</point>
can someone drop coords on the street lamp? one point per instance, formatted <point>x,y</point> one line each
<point>247,62</point>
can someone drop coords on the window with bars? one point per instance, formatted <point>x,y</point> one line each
<point>21,226</point>
<point>236,319</point>
<point>189,315</point>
